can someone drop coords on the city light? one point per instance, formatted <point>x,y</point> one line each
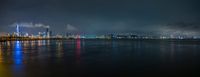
<point>18,54</point>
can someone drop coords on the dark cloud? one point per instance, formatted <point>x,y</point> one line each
<point>179,29</point>
<point>99,16</point>
<point>191,26</point>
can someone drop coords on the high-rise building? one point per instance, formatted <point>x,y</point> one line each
<point>50,33</point>
<point>17,30</point>
<point>47,33</point>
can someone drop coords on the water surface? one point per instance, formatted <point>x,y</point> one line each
<point>45,58</point>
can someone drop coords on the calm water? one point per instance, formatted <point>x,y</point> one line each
<point>99,58</point>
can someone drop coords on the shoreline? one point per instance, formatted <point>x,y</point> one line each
<point>35,39</point>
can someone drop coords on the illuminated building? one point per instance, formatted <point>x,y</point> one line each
<point>17,30</point>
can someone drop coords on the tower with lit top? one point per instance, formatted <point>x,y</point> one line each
<point>17,30</point>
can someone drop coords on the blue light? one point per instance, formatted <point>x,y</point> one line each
<point>17,29</point>
<point>17,56</point>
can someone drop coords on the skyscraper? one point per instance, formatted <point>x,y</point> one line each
<point>17,30</point>
<point>47,33</point>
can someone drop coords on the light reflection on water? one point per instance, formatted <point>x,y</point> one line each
<point>18,66</point>
<point>18,53</point>
<point>16,57</point>
<point>1,55</point>
<point>78,51</point>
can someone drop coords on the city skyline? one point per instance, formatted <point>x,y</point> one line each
<point>99,38</point>
<point>99,16</point>
<point>19,34</point>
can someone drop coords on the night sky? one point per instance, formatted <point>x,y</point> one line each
<point>103,16</point>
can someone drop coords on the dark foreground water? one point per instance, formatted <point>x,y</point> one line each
<point>105,58</point>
